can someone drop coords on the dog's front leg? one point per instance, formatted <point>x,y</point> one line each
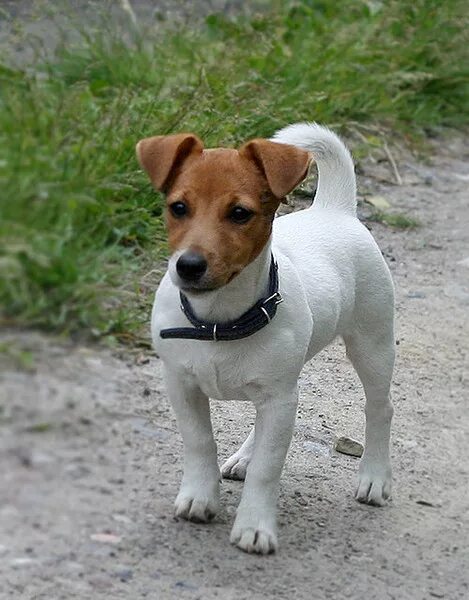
<point>199,494</point>
<point>255,527</point>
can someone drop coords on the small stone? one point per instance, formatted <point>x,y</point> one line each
<point>464,262</point>
<point>185,586</point>
<point>378,202</point>
<point>122,519</point>
<point>105,538</point>
<point>142,359</point>
<point>425,503</point>
<point>346,445</point>
<point>124,574</point>
<point>116,480</point>
<point>416,295</point>
<point>317,447</point>
<point>77,471</point>
<point>23,562</point>
<point>461,176</point>
<point>74,567</point>
<point>99,582</point>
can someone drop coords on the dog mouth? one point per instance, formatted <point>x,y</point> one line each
<point>199,288</point>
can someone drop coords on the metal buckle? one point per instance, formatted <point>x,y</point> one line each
<point>215,333</point>
<point>277,296</point>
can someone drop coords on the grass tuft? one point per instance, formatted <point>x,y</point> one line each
<point>79,223</point>
<point>395,220</point>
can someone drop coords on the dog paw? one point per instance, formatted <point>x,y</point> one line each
<point>198,508</point>
<point>254,538</point>
<point>374,484</point>
<point>235,467</point>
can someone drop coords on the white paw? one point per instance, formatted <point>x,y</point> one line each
<point>235,467</point>
<point>255,536</point>
<point>196,506</point>
<point>374,483</point>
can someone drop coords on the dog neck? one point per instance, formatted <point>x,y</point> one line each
<point>236,297</point>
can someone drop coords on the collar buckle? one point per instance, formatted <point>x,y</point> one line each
<point>277,296</point>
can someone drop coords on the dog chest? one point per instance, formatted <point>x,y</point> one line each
<point>220,375</point>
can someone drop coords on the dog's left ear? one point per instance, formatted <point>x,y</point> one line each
<point>282,165</point>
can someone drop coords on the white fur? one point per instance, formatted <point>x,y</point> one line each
<point>334,281</point>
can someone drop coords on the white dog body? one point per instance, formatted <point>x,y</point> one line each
<point>333,281</point>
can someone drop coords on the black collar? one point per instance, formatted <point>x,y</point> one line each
<point>257,317</point>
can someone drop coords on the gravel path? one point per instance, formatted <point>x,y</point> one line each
<point>90,454</point>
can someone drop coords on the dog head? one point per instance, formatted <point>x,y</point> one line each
<point>220,203</point>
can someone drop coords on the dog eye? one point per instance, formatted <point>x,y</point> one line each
<point>178,209</point>
<point>240,215</point>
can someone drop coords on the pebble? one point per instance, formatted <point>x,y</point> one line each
<point>23,561</point>
<point>425,503</point>
<point>122,519</point>
<point>318,447</point>
<point>147,428</point>
<point>378,202</point>
<point>99,582</point>
<point>142,359</point>
<point>105,538</point>
<point>457,291</point>
<point>77,471</point>
<point>346,445</point>
<point>124,574</point>
<point>185,586</point>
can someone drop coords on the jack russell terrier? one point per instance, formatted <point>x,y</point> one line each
<point>247,300</point>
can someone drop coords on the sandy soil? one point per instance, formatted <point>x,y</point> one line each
<point>90,454</point>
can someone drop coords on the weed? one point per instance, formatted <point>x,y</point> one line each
<point>396,220</point>
<point>22,359</point>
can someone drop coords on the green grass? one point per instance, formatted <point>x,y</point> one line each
<point>79,223</point>
<point>395,220</point>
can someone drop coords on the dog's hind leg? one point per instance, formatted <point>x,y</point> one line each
<point>372,355</point>
<point>235,467</point>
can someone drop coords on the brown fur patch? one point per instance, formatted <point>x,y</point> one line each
<point>211,186</point>
<point>212,182</point>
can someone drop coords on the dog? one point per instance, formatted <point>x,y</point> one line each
<point>247,300</point>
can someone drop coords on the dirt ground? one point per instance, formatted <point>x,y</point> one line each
<point>90,454</point>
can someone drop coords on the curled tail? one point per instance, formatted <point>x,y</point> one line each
<point>337,183</point>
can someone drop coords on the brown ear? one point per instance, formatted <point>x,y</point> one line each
<point>160,156</point>
<point>283,166</point>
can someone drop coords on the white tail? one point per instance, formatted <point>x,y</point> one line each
<point>337,183</point>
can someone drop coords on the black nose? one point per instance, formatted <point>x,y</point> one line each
<point>191,266</point>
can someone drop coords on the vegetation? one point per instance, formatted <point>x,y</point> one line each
<point>79,223</point>
<point>396,220</point>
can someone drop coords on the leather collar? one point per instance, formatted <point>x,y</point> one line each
<point>254,319</point>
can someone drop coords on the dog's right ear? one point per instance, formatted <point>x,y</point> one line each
<point>162,156</point>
